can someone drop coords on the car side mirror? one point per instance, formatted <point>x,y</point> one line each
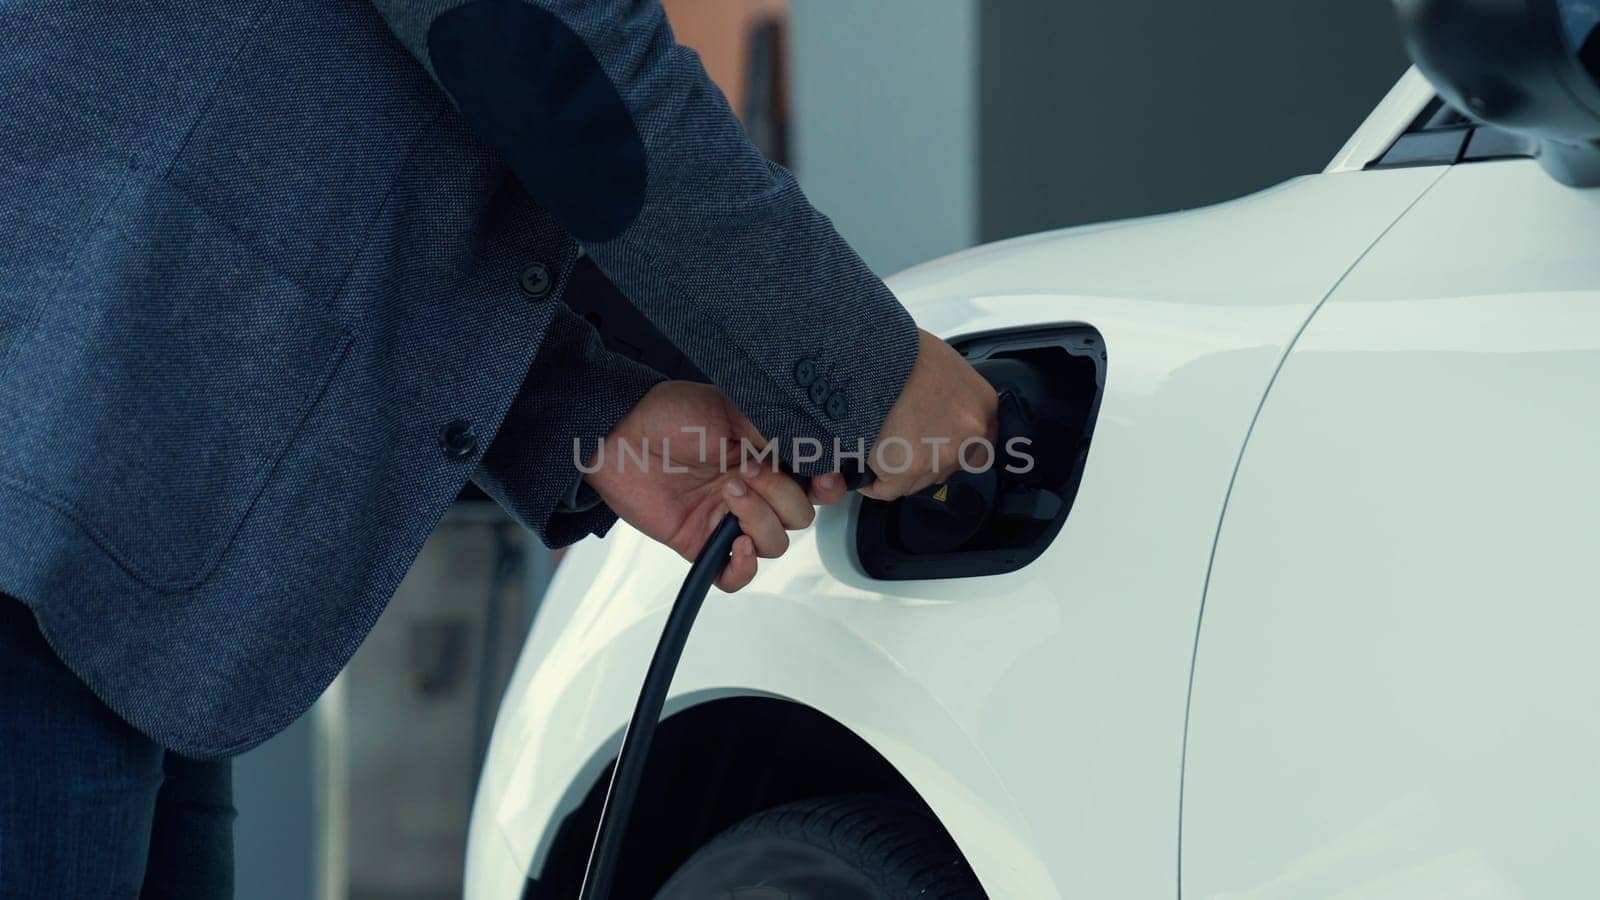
<point>1525,66</point>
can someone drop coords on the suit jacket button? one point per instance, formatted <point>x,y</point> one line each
<point>819,391</point>
<point>805,372</point>
<point>535,280</point>
<point>460,440</point>
<point>836,407</point>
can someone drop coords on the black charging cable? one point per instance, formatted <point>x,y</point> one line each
<point>626,775</point>
<point>629,770</point>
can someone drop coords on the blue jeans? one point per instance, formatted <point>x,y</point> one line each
<point>89,807</point>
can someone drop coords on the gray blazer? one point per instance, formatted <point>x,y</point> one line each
<point>278,276</point>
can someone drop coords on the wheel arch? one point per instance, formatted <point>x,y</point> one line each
<point>714,763</point>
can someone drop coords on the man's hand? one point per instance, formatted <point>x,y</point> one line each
<point>944,403</point>
<point>678,499</point>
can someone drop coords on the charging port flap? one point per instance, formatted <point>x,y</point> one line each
<point>1003,517</point>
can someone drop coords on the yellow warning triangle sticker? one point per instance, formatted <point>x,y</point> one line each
<point>942,494</point>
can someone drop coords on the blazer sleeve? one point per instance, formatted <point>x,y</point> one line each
<point>619,133</point>
<point>573,394</point>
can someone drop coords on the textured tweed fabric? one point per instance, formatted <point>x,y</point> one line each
<point>273,279</point>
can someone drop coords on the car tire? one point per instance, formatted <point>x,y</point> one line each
<point>855,847</point>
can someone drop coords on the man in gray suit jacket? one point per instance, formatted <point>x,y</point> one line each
<point>278,276</point>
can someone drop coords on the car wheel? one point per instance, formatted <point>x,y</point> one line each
<point>858,847</point>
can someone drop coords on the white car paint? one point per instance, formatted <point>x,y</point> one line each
<point>1396,691</point>
<point>1041,714</point>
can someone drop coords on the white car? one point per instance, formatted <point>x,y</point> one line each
<point>1320,619</point>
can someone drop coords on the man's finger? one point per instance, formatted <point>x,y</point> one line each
<point>741,567</point>
<point>786,498</point>
<point>887,488</point>
<point>827,489</point>
<point>756,518</point>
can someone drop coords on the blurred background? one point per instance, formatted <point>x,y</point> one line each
<point>921,127</point>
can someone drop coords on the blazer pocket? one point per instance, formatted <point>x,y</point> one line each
<point>162,384</point>
<point>304,135</point>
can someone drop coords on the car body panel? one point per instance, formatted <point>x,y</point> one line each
<point>1396,680</point>
<point>1039,713</point>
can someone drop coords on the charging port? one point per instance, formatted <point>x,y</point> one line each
<point>983,523</point>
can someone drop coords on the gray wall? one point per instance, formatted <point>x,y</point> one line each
<point>1094,109</point>
<point>883,123</point>
<point>275,836</point>
<point>925,126</point>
